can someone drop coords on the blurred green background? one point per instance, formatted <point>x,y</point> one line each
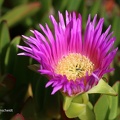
<point>21,89</point>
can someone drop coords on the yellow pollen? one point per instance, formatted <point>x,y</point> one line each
<point>74,66</point>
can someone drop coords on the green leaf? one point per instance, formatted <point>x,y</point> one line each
<point>81,111</point>
<point>103,88</point>
<point>52,108</point>
<point>75,109</point>
<point>46,5</point>
<point>29,110</point>
<point>78,106</point>
<point>20,69</point>
<point>81,98</point>
<point>61,6</point>
<point>20,12</point>
<point>87,114</point>
<point>101,108</point>
<point>108,107</point>
<point>4,42</point>
<point>67,102</point>
<point>15,3</point>
<point>114,102</point>
<point>95,7</point>
<point>1,2</point>
<point>116,28</point>
<point>73,5</point>
<point>48,105</point>
<point>11,54</point>
<point>83,10</point>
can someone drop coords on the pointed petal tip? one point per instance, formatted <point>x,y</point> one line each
<point>95,15</point>
<point>49,83</point>
<point>56,89</point>
<point>21,54</point>
<point>116,49</point>
<point>18,46</point>
<point>32,31</point>
<point>25,37</point>
<point>59,12</point>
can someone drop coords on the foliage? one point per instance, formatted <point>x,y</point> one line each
<point>21,90</point>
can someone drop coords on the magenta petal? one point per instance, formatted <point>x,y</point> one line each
<point>49,83</point>
<point>56,89</point>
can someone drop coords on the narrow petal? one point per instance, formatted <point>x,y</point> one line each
<point>56,89</point>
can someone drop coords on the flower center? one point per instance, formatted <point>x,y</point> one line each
<point>74,66</point>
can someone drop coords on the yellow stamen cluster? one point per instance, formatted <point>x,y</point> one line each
<point>74,66</point>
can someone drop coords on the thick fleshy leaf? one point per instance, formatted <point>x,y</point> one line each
<point>75,109</point>
<point>4,42</point>
<point>101,108</point>
<point>81,98</point>
<point>103,88</point>
<point>20,12</point>
<point>23,74</point>
<point>81,111</point>
<point>107,107</point>
<point>11,54</point>
<point>67,102</point>
<point>116,28</point>
<point>48,105</point>
<point>52,108</point>
<point>87,114</point>
<point>78,106</point>
<point>29,110</point>
<point>115,102</point>
<point>1,2</point>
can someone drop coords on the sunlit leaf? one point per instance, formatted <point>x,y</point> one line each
<point>81,111</point>
<point>75,109</point>
<point>114,102</point>
<point>103,88</point>
<point>108,107</point>
<point>67,102</point>
<point>101,108</point>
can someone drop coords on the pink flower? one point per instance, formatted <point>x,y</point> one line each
<point>73,64</point>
